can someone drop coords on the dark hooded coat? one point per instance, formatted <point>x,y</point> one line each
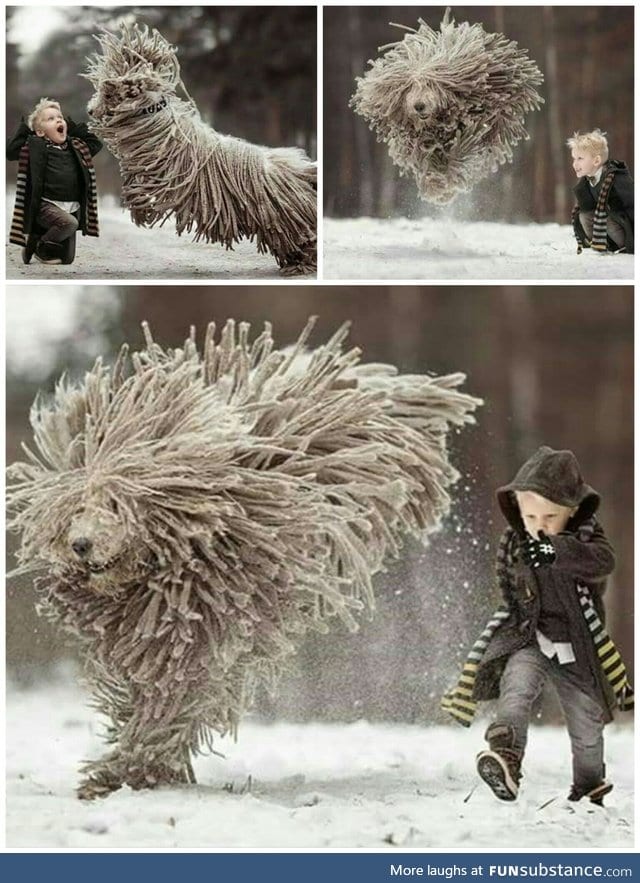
<point>581,556</point>
<point>620,204</point>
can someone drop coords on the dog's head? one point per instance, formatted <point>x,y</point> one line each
<point>125,97</point>
<point>401,96</point>
<point>94,542</point>
<point>422,100</point>
<point>131,476</point>
<point>135,74</point>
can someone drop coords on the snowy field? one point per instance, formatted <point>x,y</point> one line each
<point>359,785</point>
<point>124,251</point>
<point>400,249</point>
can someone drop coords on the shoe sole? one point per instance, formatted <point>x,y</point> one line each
<point>596,797</point>
<point>601,791</point>
<point>491,771</point>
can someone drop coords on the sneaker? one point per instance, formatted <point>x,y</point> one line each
<point>44,255</point>
<point>596,795</point>
<point>29,249</point>
<point>501,772</point>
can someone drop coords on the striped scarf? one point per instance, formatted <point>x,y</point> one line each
<point>608,656</point>
<point>17,235</point>
<point>458,702</point>
<point>599,239</point>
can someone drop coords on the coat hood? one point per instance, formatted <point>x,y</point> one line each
<point>617,165</point>
<point>556,476</point>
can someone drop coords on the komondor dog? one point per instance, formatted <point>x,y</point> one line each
<point>449,104</point>
<point>192,515</point>
<point>172,163</point>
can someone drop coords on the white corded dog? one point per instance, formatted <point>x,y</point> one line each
<point>172,163</point>
<point>192,515</point>
<point>449,104</point>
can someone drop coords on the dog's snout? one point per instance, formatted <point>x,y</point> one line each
<point>419,106</point>
<point>81,546</point>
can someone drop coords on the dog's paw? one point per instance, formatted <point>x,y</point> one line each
<point>96,786</point>
<point>300,265</point>
<point>297,270</point>
<point>101,777</point>
<point>301,262</point>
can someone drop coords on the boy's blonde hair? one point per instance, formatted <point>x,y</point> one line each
<point>38,109</point>
<point>594,142</point>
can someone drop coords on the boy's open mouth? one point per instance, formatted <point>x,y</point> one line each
<point>60,129</point>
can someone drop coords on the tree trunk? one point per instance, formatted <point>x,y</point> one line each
<point>558,157</point>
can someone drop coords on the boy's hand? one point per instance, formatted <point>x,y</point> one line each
<point>537,553</point>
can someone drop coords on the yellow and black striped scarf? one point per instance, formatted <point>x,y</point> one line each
<point>17,235</point>
<point>458,702</point>
<point>599,239</point>
<point>610,660</point>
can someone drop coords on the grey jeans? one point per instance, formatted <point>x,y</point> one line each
<point>522,681</point>
<point>58,224</point>
<point>615,230</point>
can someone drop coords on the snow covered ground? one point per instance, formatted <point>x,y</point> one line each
<point>124,251</point>
<point>354,785</point>
<point>400,249</point>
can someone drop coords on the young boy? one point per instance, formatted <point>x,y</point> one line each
<point>603,215</point>
<point>56,192</point>
<point>552,564</point>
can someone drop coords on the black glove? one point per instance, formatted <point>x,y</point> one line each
<point>537,553</point>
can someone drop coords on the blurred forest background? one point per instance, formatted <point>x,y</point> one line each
<point>586,56</point>
<point>250,69</point>
<point>554,365</point>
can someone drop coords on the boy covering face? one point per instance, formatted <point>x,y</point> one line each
<point>552,565</point>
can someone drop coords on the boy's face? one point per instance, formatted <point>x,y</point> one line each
<point>52,125</point>
<point>585,163</point>
<point>540,514</point>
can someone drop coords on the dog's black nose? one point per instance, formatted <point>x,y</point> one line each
<point>81,546</point>
<point>419,106</point>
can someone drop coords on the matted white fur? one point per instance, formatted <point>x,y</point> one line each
<point>172,163</point>
<point>192,515</point>
<point>449,104</point>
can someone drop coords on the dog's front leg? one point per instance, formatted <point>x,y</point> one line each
<point>138,765</point>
